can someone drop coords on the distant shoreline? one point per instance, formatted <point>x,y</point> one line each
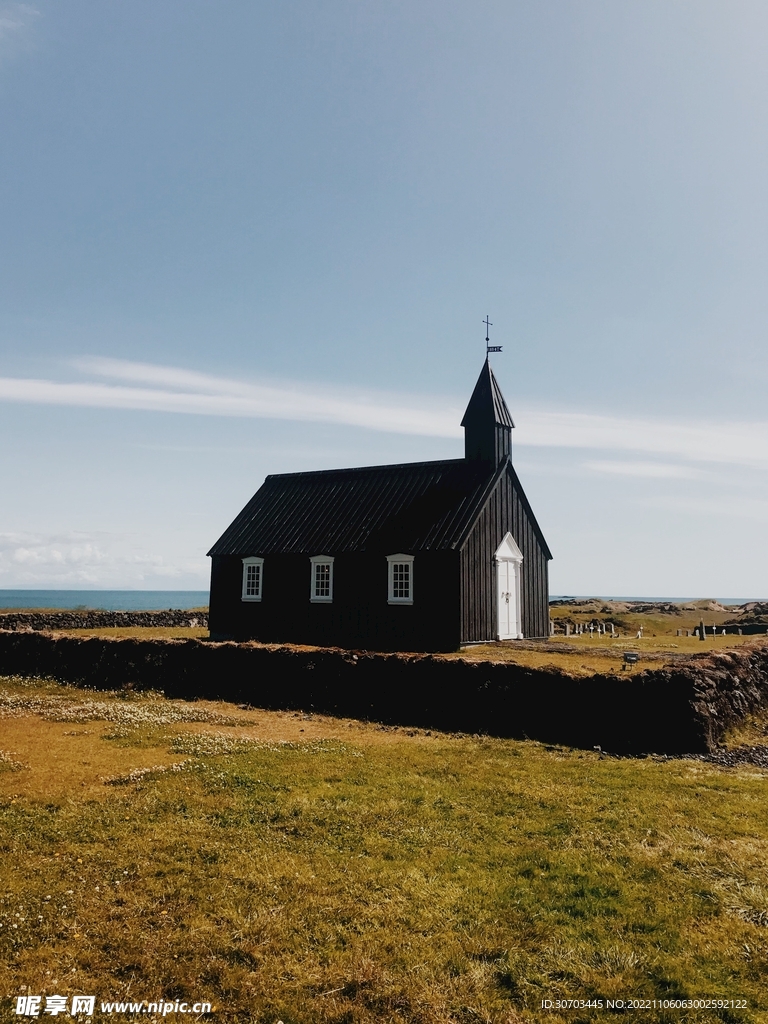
<point>183,600</point>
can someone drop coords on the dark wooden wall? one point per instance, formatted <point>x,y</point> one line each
<point>505,511</point>
<point>454,591</point>
<point>359,616</point>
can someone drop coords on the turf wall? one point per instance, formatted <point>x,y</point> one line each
<point>684,709</point>
<point>174,617</point>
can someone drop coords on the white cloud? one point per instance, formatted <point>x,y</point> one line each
<point>215,396</point>
<point>80,559</point>
<point>648,470</point>
<point>145,386</point>
<point>26,557</point>
<point>728,506</point>
<point>742,442</point>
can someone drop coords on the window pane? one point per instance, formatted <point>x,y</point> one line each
<point>322,579</point>
<point>253,581</point>
<point>401,580</point>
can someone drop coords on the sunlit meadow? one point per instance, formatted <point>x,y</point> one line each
<point>297,868</point>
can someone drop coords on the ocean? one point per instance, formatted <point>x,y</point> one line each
<point>105,600</point>
<point>160,600</point>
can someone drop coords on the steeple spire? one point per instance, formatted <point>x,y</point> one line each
<point>487,422</point>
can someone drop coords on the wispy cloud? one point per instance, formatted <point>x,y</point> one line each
<point>726,506</point>
<point>745,443</point>
<point>183,391</point>
<point>647,470</point>
<point>15,20</point>
<point>145,386</point>
<point>14,17</point>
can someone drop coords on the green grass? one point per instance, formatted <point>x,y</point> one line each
<point>391,878</point>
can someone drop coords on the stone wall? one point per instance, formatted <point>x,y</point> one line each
<point>99,619</point>
<point>683,709</point>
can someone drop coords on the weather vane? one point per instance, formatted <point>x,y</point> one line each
<point>489,348</point>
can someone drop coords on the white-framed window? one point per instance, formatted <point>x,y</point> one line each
<point>253,579</point>
<point>321,579</point>
<point>400,579</point>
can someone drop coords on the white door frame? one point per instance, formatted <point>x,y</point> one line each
<point>509,553</point>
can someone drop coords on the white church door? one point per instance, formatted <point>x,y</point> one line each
<point>509,559</point>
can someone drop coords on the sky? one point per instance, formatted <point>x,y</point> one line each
<point>242,238</point>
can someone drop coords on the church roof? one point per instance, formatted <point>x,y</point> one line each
<point>408,507</point>
<point>487,400</point>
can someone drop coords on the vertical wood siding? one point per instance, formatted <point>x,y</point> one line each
<point>505,511</point>
<point>359,617</point>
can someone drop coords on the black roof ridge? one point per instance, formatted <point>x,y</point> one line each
<point>505,466</point>
<point>527,505</point>
<point>363,469</point>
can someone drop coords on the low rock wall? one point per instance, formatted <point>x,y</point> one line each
<point>684,709</point>
<point>99,620</point>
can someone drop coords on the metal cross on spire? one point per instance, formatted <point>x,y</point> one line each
<point>489,348</point>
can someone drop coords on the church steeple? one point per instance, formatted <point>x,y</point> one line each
<point>487,422</point>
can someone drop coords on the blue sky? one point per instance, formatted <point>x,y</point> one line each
<point>241,238</point>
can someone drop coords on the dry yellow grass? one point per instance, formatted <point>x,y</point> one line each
<point>63,758</point>
<point>582,655</point>
<point>661,643</point>
<point>306,869</point>
<point>140,632</point>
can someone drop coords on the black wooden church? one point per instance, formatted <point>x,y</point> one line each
<point>423,556</point>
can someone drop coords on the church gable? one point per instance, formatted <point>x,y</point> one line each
<point>506,510</point>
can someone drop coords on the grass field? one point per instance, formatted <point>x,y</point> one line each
<point>584,655</point>
<point>297,868</point>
